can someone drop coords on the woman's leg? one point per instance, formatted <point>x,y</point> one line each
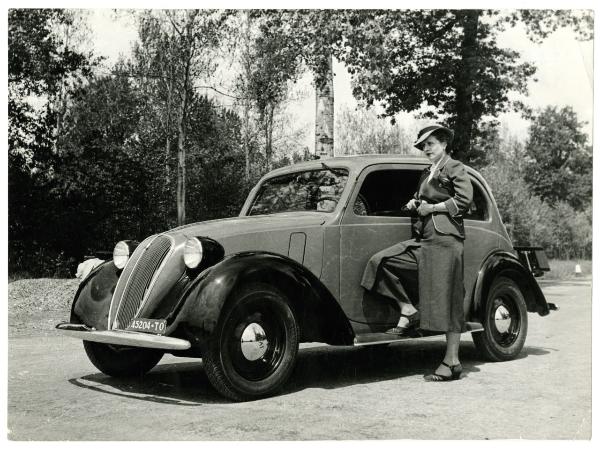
<point>395,275</point>
<point>443,372</point>
<point>451,357</point>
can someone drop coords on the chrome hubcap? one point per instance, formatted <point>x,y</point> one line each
<point>254,342</point>
<point>502,319</point>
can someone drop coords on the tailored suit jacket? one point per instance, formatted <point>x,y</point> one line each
<point>450,185</point>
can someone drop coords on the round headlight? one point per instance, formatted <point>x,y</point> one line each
<point>192,253</point>
<point>121,255</point>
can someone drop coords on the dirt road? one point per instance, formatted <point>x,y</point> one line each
<point>54,393</point>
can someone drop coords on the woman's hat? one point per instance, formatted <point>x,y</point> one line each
<point>428,131</point>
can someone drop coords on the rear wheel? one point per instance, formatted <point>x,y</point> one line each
<point>504,322</point>
<point>121,361</point>
<point>254,348</point>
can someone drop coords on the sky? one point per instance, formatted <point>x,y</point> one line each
<point>564,76</point>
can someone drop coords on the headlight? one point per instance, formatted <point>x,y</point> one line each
<point>192,253</point>
<point>121,255</point>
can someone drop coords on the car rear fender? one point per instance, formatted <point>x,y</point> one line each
<point>92,300</point>
<point>318,313</point>
<point>503,263</point>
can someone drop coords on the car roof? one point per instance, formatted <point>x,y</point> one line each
<point>355,162</point>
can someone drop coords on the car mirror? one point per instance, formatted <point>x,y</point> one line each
<point>326,205</point>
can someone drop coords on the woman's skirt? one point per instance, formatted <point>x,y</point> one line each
<point>439,262</point>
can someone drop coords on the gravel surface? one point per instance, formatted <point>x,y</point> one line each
<point>41,294</point>
<point>354,393</point>
<point>35,306</point>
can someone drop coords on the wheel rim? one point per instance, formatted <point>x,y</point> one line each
<point>255,340</point>
<point>505,321</point>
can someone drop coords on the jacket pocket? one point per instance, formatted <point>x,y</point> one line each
<point>445,224</point>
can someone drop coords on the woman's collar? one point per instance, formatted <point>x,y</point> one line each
<point>440,164</point>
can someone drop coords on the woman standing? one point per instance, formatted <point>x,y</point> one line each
<point>444,194</point>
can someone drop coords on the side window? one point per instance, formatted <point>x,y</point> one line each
<point>479,207</point>
<point>384,192</point>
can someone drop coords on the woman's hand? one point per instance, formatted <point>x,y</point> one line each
<point>411,205</point>
<point>425,209</point>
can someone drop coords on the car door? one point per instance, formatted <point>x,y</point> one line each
<point>482,237</point>
<point>373,220</point>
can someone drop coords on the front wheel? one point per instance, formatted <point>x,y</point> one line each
<point>254,348</point>
<point>504,322</point>
<point>121,361</point>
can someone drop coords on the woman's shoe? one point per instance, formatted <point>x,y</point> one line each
<point>455,371</point>
<point>413,321</point>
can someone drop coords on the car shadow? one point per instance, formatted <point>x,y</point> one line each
<point>181,383</point>
<point>329,367</point>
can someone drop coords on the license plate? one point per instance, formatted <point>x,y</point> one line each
<point>147,325</point>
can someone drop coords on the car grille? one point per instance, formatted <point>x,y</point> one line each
<point>141,278</point>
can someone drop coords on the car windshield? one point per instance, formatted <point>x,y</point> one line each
<point>315,190</point>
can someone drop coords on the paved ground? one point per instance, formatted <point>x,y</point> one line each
<point>54,393</point>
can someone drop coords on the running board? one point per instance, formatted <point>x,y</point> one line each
<point>376,338</point>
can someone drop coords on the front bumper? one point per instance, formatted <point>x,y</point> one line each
<point>125,338</point>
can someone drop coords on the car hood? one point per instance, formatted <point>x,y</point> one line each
<point>217,229</point>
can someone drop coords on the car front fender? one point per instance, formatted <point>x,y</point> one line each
<point>318,313</point>
<point>503,263</point>
<point>93,297</point>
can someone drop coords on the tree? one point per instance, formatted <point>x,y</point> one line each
<point>446,60</point>
<point>559,159</point>
<point>155,63</point>
<point>528,218</point>
<point>109,179</point>
<point>179,47</point>
<point>269,65</point>
<point>361,131</point>
<point>244,80</point>
<point>40,62</point>
<point>215,158</point>
<point>313,36</point>
<point>562,230</point>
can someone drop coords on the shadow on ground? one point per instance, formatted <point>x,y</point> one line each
<point>186,384</point>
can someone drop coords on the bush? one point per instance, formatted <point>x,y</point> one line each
<point>563,232</point>
<point>24,262</point>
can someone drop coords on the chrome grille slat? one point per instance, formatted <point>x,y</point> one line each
<point>140,280</point>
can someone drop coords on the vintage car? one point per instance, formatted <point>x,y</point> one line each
<point>242,293</point>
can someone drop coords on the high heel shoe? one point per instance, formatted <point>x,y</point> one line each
<point>455,371</point>
<point>413,322</point>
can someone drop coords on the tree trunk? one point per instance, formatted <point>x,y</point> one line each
<point>181,175</point>
<point>465,84</point>
<point>246,105</point>
<point>61,104</point>
<point>181,162</point>
<point>167,155</point>
<point>324,114</point>
<point>246,140</point>
<point>268,127</point>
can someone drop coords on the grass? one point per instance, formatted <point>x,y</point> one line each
<point>565,269</point>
